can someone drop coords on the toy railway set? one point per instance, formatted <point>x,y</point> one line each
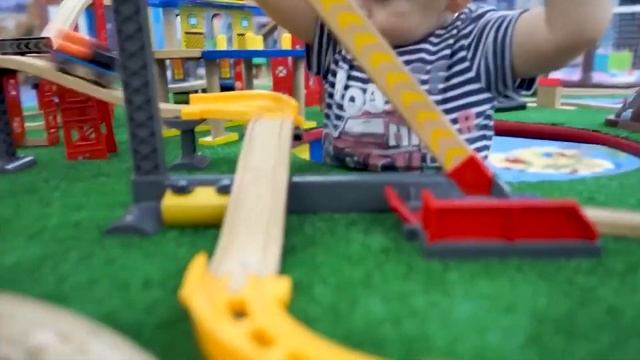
<point>237,297</point>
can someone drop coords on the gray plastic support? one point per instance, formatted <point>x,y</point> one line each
<point>349,193</point>
<point>138,75</point>
<point>137,71</point>
<point>189,160</point>
<point>141,219</point>
<point>498,249</point>
<point>10,161</point>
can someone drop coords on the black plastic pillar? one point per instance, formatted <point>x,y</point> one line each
<point>10,161</point>
<point>137,69</point>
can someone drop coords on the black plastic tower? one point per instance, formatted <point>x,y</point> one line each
<point>141,101</point>
<point>10,161</point>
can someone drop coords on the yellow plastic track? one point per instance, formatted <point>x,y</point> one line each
<point>378,59</point>
<point>253,323</point>
<point>242,106</point>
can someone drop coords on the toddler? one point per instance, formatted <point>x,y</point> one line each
<point>465,56</point>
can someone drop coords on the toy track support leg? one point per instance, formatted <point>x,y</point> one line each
<point>11,87</point>
<point>105,116</point>
<point>10,161</point>
<point>145,131</point>
<point>49,107</point>
<point>81,127</point>
<point>105,110</point>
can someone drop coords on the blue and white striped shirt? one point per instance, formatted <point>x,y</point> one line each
<point>464,66</point>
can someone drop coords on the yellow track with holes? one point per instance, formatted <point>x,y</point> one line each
<point>378,59</point>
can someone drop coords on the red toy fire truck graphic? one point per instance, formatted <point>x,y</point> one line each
<point>380,141</point>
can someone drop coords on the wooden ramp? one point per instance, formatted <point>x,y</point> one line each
<point>46,70</point>
<point>252,235</point>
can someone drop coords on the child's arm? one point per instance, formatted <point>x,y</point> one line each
<point>548,38</point>
<point>297,16</point>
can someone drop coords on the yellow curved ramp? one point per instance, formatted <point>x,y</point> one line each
<point>252,323</point>
<point>242,106</point>
<point>238,302</point>
<point>46,70</point>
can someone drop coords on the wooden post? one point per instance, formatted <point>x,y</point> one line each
<point>162,83</point>
<point>170,34</point>
<point>218,134</point>
<point>299,83</point>
<point>549,93</point>
<point>212,72</point>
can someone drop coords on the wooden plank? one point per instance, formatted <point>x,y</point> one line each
<point>169,54</point>
<point>191,86</point>
<point>615,222</point>
<point>46,70</point>
<point>299,83</point>
<point>252,235</point>
<point>67,16</point>
<point>212,71</point>
<point>597,91</point>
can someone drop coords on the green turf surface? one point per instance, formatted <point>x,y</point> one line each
<point>356,279</point>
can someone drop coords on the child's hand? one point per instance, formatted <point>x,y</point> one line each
<point>297,16</point>
<point>548,38</point>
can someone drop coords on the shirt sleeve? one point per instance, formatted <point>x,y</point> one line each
<point>323,49</point>
<point>490,49</point>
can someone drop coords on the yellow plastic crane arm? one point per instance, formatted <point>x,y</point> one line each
<point>377,58</point>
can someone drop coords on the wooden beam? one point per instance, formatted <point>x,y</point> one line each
<point>252,235</point>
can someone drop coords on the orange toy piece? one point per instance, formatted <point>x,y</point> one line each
<point>74,44</point>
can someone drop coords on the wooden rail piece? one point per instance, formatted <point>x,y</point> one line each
<point>173,54</point>
<point>252,235</point>
<point>615,222</point>
<point>67,16</point>
<point>46,70</point>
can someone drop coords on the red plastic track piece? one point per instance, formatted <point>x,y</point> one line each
<point>47,93</point>
<point>561,133</point>
<point>399,207</point>
<point>511,220</point>
<point>11,86</point>
<point>81,126</point>
<point>473,176</point>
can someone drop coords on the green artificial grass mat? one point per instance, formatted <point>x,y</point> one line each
<point>356,279</point>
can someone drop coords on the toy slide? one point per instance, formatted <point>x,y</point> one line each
<point>46,70</point>
<point>238,302</point>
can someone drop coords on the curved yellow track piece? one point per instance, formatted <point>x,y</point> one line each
<point>242,106</point>
<point>377,58</point>
<point>252,323</point>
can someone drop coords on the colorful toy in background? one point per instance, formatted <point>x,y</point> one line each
<point>81,56</point>
<point>228,25</point>
<point>86,121</point>
<point>628,116</point>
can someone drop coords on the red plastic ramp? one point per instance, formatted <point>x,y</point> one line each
<point>477,227</point>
